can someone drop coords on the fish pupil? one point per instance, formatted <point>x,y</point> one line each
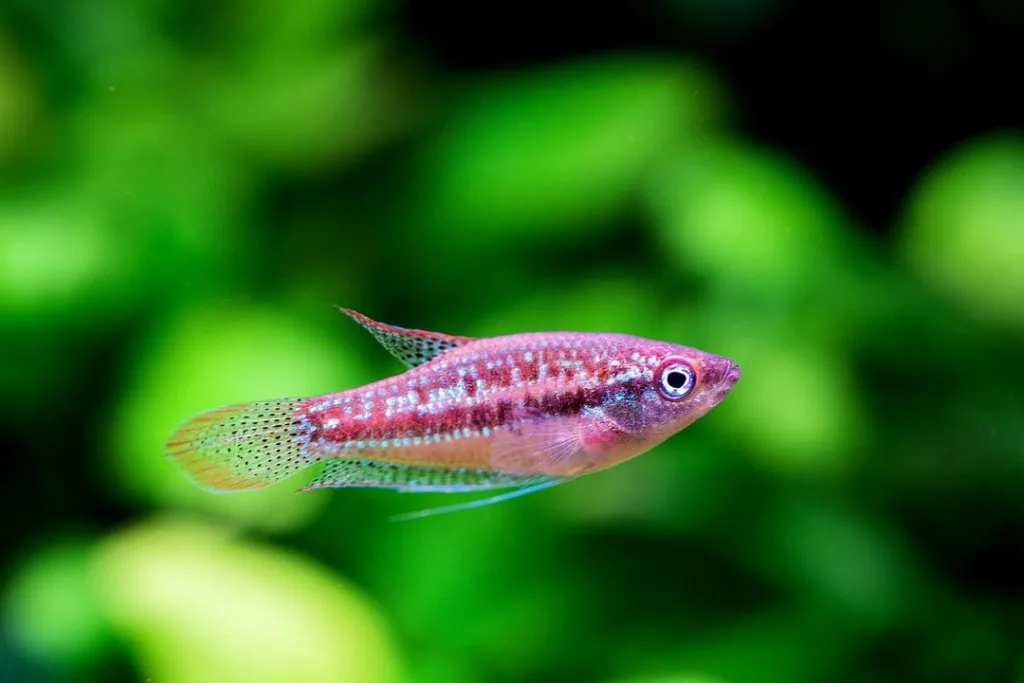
<point>676,380</point>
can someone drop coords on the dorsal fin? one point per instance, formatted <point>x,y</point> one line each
<point>412,347</point>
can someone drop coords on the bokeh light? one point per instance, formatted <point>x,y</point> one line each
<point>187,191</point>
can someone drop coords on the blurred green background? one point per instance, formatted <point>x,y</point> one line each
<point>831,194</point>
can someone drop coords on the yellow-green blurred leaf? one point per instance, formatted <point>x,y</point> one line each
<point>56,257</point>
<point>327,105</point>
<point>551,154</point>
<point>166,190</point>
<point>745,216</point>
<point>20,106</point>
<point>841,560</point>
<point>963,228</point>
<point>268,27</point>
<point>50,607</point>
<point>607,303</point>
<point>198,606</point>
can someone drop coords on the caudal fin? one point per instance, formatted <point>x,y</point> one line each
<point>241,446</point>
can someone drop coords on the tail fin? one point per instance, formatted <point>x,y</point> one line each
<point>242,446</point>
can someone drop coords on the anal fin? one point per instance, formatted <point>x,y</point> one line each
<point>351,472</point>
<point>362,472</point>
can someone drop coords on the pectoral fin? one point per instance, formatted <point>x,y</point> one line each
<point>542,484</point>
<point>536,443</point>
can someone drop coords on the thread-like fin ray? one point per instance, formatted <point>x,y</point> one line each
<point>241,446</point>
<point>412,347</point>
<point>468,505</point>
<point>362,472</point>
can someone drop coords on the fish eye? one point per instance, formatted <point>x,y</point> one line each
<point>676,381</point>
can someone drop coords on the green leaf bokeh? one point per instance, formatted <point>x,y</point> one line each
<point>186,192</point>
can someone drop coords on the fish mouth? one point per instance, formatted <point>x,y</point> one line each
<point>732,374</point>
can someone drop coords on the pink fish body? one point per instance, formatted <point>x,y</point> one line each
<point>520,410</point>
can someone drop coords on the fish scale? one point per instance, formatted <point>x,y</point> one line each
<point>518,410</point>
<point>480,388</point>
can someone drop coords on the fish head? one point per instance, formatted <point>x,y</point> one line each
<point>669,387</point>
<point>687,383</point>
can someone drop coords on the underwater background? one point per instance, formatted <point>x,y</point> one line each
<point>832,194</point>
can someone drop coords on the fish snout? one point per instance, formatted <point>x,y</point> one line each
<point>732,374</point>
<point>725,375</point>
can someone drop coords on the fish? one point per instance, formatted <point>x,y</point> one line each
<point>522,411</point>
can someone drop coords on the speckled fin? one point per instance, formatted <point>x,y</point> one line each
<point>412,347</point>
<point>356,472</point>
<point>241,446</point>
